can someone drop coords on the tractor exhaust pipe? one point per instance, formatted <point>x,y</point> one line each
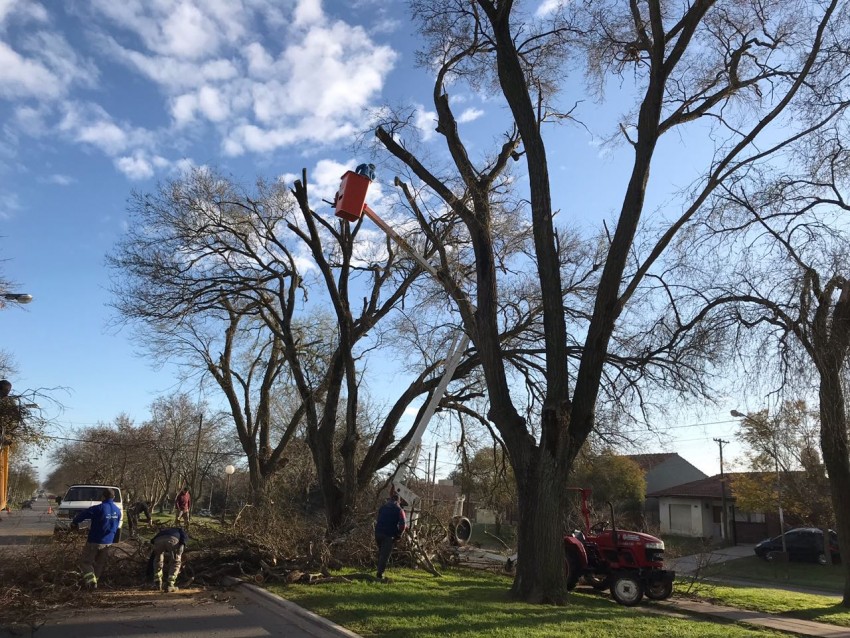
<point>613,525</point>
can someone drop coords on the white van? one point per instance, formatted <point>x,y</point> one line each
<point>82,497</point>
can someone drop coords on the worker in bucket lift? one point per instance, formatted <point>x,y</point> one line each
<point>367,170</point>
<point>171,541</point>
<point>389,526</point>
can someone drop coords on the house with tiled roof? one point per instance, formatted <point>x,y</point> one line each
<point>696,509</point>
<point>663,470</point>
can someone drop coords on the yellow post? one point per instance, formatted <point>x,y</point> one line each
<point>4,476</point>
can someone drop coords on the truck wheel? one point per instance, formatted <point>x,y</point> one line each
<point>659,590</point>
<point>627,590</point>
<point>571,567</point>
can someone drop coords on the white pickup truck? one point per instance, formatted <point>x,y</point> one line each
<point>82,497</point>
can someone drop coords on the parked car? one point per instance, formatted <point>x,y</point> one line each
<point>802,543</point>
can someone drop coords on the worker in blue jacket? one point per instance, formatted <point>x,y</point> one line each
<point>389,526</point>
<point>171,541</point>
<point>105,521</point>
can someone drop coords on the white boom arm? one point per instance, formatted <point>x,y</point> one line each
<point>453,358</point>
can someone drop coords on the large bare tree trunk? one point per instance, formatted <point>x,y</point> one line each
<point>836,457</point>
<point>832,346</point>
<point>540,575</point>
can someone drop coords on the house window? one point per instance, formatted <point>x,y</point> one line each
<point>749,517</point>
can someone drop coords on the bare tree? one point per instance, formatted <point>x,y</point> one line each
<point>737,68</point>
<point>221,277</point>
<point>789,287</point>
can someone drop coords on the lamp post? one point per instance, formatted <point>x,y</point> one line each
<point>740,415</point>
<point>228,471</point>
<point>17,297</point>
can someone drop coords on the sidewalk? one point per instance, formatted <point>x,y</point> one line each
<point>690,565</point>
<point>756,618</point>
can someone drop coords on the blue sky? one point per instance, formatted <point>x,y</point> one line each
<point>99,98</point>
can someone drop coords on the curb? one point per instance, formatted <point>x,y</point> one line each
<point>290,608</point>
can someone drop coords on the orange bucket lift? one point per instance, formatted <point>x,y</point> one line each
<point>351,196</point>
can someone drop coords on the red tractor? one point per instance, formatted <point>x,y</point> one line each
<point>629,563</point>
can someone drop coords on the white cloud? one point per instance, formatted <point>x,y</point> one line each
<point>90,124</point>
<point>426,122</point>
<point>470,115</point>
<point>59,179</point>
<point>135,167</point>
<point>107,136</point>
<point>26,11</point>
<point>548,7</point>
<point>314,90</point>
<point>212,104</point>
<point>41,65</point>
<point>21,77</point>
<point>308,12</point>
<point>184,29</point>
<point>10,204</point>
<point>260,75</point>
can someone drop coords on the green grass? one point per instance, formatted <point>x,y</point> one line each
<point>797,574</point>
<point>467,604</point>
<point>776,601</point>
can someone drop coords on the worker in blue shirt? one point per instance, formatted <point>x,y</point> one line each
<point>171,541</point>
<point>105,521</point>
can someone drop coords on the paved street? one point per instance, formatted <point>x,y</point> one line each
<point>27,527</point>
<point>243,611</point>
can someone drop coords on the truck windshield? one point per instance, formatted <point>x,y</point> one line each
<point>88,494</point>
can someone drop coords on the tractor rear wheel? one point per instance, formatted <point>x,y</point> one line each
<point>626,589</point>
<point>659,590</point>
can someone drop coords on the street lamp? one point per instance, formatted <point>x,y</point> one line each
<point>17,297</point>
<point>740,415</point>
<point>227,470</point>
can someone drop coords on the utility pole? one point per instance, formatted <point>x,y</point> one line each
<point>195,491</point>
<point>434,477</point>
<point>724,518</point>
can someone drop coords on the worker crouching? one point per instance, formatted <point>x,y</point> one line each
<point>171,541</point>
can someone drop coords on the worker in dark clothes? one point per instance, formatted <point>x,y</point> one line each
<point>171,541</point>
<point>389,526</point>
<point>134,512</point>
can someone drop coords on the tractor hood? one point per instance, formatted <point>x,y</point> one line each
<point>629,538</point>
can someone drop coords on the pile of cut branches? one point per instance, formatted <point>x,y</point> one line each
<point>257,547</point>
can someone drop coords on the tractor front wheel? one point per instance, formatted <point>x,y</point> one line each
<point>659,590</point>
<point>626,589</point>
<point>571,567</point>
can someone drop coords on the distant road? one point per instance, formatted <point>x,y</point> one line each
<point>27,527</point>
